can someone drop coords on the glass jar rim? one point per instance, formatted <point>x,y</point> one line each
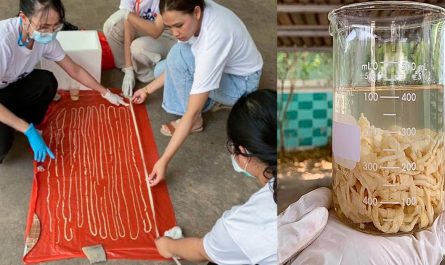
<point>352,15</point>
<point>386,5</point>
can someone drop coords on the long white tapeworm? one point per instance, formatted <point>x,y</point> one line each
<point>87,173</point>
<point>82,128</point>
<point>94,183</point>
<point>56,153</point>
<point>103,113</point>
<point>75,129</point>
<point>94,145</point>
<point>57,172</point>
<point>100,136</point>
<point>119,158</point>
<point>134,164</point>
<point>108,219</point>
<point>89,197</point>
<point>115,160</point>
<point>62,138</point>
<point>47,179</point>
<point>124,136</point>
<point>72,155</point>
<point>99,218</point>
<point>91,174</point>
<point>81,119</point>
<point>84,156</point>
<point>133,156</point>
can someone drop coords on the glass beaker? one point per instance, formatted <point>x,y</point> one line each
<point>388,122</point>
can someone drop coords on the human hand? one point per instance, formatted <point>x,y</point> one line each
<point>38,145</point>
<point>139,96</point>
<point>158,173</point>
<point>340,244</point>
<point>302,222</point>
<point>114,99</point>
<point>162,244</point>
<point>128,82</point>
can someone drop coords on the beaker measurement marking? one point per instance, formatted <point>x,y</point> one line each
<point>389,167</point>
<point>408,131</point>
<point>345,91</point>
<point>406,97</point>
<point>404,65</point>
<point>390,97</point>
<point>389,150</point>
<point>389,185</point>
<point>409,166</point>
<point>373,201</point>
<point>370,66</point>
<point>389,114</point>
<point>392,203</point>
<point>393,132</point>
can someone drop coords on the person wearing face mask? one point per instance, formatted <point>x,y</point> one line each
<point>138,40</point>
<point>246,234</point>
<point>214,62</point>
<point>25,92</point>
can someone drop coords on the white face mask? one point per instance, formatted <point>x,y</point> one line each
<point>237,168</point>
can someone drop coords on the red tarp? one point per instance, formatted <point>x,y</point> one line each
<point>95,192</point>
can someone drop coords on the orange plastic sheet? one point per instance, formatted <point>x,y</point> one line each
<point>95,191</point>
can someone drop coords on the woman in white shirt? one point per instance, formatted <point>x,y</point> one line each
<point>246,234</point>
<point>25,92</point>
<point>137,40</point>
<point>215,61</point>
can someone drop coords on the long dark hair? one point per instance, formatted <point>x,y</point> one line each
<point>184,6</point>
<point>31,7</point>
<point>252,124</point>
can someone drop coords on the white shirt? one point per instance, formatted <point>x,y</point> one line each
<point>246,234</point>
<point>223,46</point>
<point>148,9</point>
<point>17,62</point>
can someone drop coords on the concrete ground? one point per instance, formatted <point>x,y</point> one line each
<point>200,179</point>
<point>293,184</point>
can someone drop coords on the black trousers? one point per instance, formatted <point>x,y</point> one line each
<point>28,98</point>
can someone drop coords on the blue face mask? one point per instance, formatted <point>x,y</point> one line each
<point>43,38</point>
<point>237,168</point>
<point>39,37</point>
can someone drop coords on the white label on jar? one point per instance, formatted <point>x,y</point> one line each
<point>346,142</point>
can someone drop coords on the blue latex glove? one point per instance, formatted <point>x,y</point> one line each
<point>37,144</point>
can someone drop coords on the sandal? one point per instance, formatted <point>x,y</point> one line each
<point>171,127</point>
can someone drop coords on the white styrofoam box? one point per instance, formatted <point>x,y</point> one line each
<point>84,48</point>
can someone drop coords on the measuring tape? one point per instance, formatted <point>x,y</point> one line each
<point>146,173</point>
<point>150,196</point>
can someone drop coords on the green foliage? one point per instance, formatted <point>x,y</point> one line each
<point>304,65</point>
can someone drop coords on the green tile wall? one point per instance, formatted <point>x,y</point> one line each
<point>308,119</point>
